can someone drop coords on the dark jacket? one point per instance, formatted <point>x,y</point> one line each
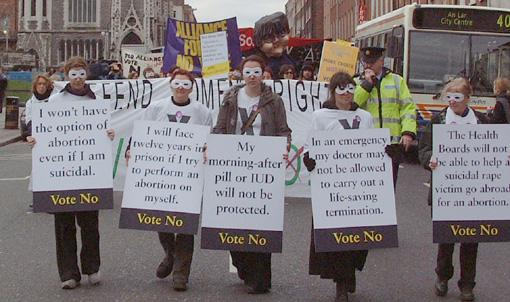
<point>3,85</point>
<point>500,114</point>
<point>425,145</point>
<point>272,113</point>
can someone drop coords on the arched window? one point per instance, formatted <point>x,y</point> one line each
<point>132,38</point>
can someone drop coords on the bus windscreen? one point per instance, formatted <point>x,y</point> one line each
<point>462,19</point>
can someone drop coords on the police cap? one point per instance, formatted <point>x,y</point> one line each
<point>371,54</point>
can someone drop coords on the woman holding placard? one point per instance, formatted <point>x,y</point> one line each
<point>65,222</point>
<point>179,109</point>
<point>253,109</point>
<point>457,93</point>
<point>42,87</point>
<point>339,112</point>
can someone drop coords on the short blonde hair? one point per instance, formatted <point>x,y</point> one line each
<point>461,84</point>
<point>49,82</point>
<point>502,86</point>
<point>75,62</point>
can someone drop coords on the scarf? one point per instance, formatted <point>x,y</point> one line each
<point>86,91</point>
<point>44,96</point>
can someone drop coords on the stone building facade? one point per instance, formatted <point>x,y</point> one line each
<point>306,18</point>
<point>55,30</point>
<point>8,28</point>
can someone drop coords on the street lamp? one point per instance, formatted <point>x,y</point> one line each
<point>6,40</point>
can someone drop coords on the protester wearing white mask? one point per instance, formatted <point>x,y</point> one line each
<point>179,109</point>
<point>253,109</point>
<point>457,94</point>
<point>338,113</point>
<point>65,223</point>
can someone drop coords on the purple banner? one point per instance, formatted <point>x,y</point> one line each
<point>183,47</point>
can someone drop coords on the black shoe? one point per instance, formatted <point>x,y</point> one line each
<point>466,294</point>
<point>165,268</point>
<point>180,286</point>
<point>257,290</point>
<point>341,292</point>
<point>441,287</point>
<point>240,274</point>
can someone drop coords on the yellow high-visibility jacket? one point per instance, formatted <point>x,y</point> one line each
<point>390,103</point>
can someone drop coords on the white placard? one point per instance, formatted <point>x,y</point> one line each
<point>73,150</point>
<point>352,183</point>
<point>353,200</point>
<point>215,62</point>
<point>257,179</point>
<point>166,170</point>
<point>472,181</point>
<point>135,61</point>
<point>165,176</point>
<point>243,191</point>
<point>471,185</point>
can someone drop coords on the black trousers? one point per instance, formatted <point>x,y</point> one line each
<point>396,164</point>
<point>179,251</point>
<point>468,253</point>
<point>253,268</point>
<point>65,237</point>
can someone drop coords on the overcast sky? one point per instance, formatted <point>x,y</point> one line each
<point>246,11</point>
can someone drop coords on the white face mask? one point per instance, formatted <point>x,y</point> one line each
<point>76,73</point>
<point>454,96</point>
<point>185,84</point>
<point>252,71</point>
<point>347,89</point>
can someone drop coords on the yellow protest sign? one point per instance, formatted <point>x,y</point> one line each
<point>337,56</point>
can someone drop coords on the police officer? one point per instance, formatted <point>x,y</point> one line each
<point>385,95</point>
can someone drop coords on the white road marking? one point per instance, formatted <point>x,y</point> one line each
<point>17,178</point>
<point>15,156</point>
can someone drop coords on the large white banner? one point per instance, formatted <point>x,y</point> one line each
<point>128,99</point>
<point>471,185</point>
<point>137,62</point>
<point>163,190</point>
<point>72,159</point>
<point>244,193</point>
<point>353,200</point>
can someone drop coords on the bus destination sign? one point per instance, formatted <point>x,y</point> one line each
<point>461,19</point>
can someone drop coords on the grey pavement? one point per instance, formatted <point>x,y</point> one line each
<point>28,269</point>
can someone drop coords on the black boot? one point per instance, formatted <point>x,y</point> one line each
<point>466,294</point>
<point>165,267</point>
<point>441,287</point>
<point>341,292</point>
